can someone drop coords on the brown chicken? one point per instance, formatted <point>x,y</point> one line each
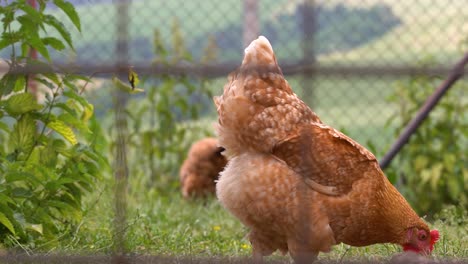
<point>201,169</point>
<point>299,185</point>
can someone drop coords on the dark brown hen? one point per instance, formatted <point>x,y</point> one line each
<point>201,168</point>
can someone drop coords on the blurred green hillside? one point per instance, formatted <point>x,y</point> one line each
<point>201,20</point>
<point>351,32</point>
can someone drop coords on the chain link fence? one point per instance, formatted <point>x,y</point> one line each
<point>358,49</point>
<point>342,57</point>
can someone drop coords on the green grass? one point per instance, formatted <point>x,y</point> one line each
<point>160,223</point>
<point>164,224</point>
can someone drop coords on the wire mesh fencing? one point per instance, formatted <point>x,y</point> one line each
<point>343,58</point>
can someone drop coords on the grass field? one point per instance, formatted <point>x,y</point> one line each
<point>163,224</point>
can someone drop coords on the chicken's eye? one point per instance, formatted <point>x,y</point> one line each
<point>422,236</point>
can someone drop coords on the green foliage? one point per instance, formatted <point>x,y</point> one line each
<point>50,159</point>
<point>22,24</point>
<point>156,139</point>
<point>432,168</point>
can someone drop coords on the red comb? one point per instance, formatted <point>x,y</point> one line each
<point>434,236</point>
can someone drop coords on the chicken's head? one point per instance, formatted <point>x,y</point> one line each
<point>421,240</point>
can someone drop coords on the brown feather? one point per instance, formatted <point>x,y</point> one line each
<point>299,185</point>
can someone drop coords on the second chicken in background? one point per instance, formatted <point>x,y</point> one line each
<point>201,168</point>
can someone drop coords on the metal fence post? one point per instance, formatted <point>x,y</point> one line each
<point>120,163</point>
<point>308,53</point>
<point>251,21</point>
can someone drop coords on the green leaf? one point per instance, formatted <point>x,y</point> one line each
<point>49,156</point>
<point>87,112</point>
<point>125,87</point>
<point>73,122</point>
<point>35,157</point>
<point>54,76</point>
<point>54,22</point>
<point>21,192</point>
<point>23,135</point>
<point>46,83</point>
<point>64,130</point>
<point>6,222</point>
<point>69,9</point>
<point>436,173</point>
<point>59,146</point>
<point>32,13</point>
<point>35,41</point>
<point>55,43</point>
<point>20,84</point>
<point>35,227</point>
<point>420,163</point>
<point>4,127</point>
<point>42,5</point>
<point>9,16</point>
<point>450,161</point>
<point>4,43</point>
<point>28,26</point>
<point>7,84</point>
<point>65,108</point>
<point>55,185</point>
<point>72,94</point>
<point>20,176</point>
<point>454,188</point>
<point>6,199</point>
<point>13,36</point>
<point>65,208</point>
<point>21,103</point>
<point>42,215</point>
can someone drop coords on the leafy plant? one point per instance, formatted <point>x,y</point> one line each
<point>50,158</point>
<point>431,169</point>
<point>156,138</point>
